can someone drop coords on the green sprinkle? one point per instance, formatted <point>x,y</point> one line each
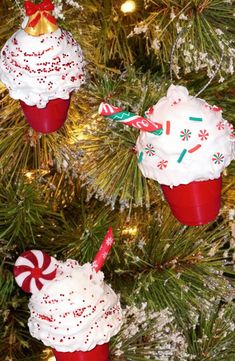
<point>182,155</point>
<point>157,132</point>
<point>140,157</point>
<point>195,119</point>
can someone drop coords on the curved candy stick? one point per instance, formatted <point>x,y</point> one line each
<point>103,251</point>
<point>131,119</point>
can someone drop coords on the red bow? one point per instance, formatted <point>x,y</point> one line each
<point>32,8</point>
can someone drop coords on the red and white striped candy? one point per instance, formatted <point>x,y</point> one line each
<point>33,269</point>
<point>103,251</point>
<point>131,119</point>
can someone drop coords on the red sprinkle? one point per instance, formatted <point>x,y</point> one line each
<point>168,127</point>
<point>194,148</point>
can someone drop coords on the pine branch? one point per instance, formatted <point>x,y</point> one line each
<point>178,267</point>
<point>85,225</point>
<point>16,343</point>
<point>147,335</point>
<point>50,160</point>
<point>109,167</point>
<point>207,29</point>
<point>22,213</point>
<point>213,336</point>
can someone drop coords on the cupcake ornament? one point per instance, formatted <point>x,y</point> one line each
<point>41,65</point>
<point>188,156</point>
<point>72,309</point>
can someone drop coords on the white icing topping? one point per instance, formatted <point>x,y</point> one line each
<point>176,92</point>
<point>76,310</point>
<point>37,69</point>
<point>196,143</point>
<point>25,22</point>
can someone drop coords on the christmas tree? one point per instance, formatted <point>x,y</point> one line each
<point>60,192</point>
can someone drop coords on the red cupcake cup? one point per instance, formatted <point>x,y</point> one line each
<point>48,119</point>
<point>196,203</point>
<point>99,353</point>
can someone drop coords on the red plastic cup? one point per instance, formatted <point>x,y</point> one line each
<point>48,119</point>
<point>99,353</point>
<point>196,203</point>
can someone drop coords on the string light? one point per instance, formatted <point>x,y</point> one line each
<point>51,358</point>
<point>48,355</point>
<point>32,175</point>
<point>29,175</point>
<point>130,231</point>
<point>128,6</point>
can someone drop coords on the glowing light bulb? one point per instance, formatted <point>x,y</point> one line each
<point>128,6</point>
<point>130,231</point>
<point>48,355</point>
<point>29,175</point>
<point>51,358</point>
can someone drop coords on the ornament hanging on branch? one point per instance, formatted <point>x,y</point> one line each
<point>189,155</point>
<point>72,309</point>
<point>42,65</point>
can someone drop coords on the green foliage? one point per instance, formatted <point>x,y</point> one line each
<point>16,345</point>
<point>84,226</point>
<point>182,268</point>
<point>147,335</point>
<point>59,192</point>
<point>21,212</point>
<point>212,338</point>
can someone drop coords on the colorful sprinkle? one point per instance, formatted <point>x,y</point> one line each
<point>182,155</point>
<point>175,102</point>
<point>216,109</point>
<point>149,111</point>
<point>157,132</point>
<point>162,164</point>
<point>149,149</point>
<point>232,131</point>
<point>203,134</point>
<point>140,157</point>
<point>185,134</point>
<point>195,119</point>
<point>218,158</point>
<point>213,108</point>
<point>220,125</point>
<point>194,148</point>
<point>168,127</point>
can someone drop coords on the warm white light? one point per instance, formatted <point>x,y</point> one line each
<point>128,6</point>
<point>51,358</point>
<point>48,355</point>
<point>130,231</point>
<point>29,175</point>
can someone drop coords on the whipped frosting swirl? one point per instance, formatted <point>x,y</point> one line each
<point>37,69</point>
<point>196,143</point>
<point>76,311</point>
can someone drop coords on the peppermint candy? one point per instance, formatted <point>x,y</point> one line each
<point>33,269</point>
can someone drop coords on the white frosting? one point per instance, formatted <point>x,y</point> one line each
<point>37,69</point>
<point>196,142</point>
<point>76,310</point>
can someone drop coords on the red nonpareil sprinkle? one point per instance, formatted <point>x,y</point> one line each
<point>168,127</point>
<point>79,312</point>
<point>46,318</point>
